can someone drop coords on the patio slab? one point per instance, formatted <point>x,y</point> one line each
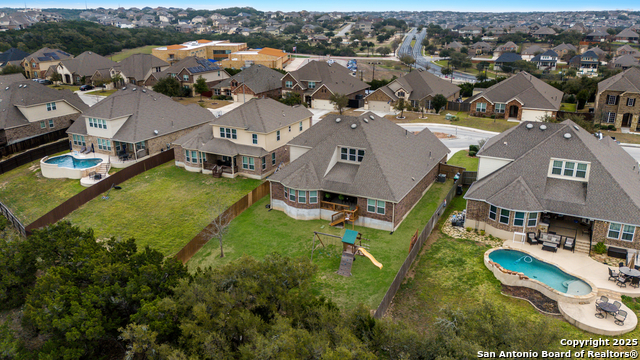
<point>583,317</point>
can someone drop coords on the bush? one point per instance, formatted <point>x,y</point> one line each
<point>611,127</point>
<point>600,248</point>
<point>468,229</point>
<point>474,148</point>
<point>596,126</point>
<point>397,67</point>
<point>472,153</point>
<point>482,232</point>
<point>571,99</point>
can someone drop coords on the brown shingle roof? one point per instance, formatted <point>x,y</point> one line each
<point>336,77</point>
<point>87,63</point>
<point>258,78</point>
<point>137,65</point>
<point>532,92</point>
<point>628,80</point>
<point>421,84</point>
<point>263,116</point>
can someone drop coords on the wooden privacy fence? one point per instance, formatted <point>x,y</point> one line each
<point>231,213</point>
<point>458,106</point>
<point>13,219</point>
<point>426,231</point>
<point>89,193</point>
<point>32,155</point>
<point>450,170</point>
<point>34,141</point>
<point>468,177</point>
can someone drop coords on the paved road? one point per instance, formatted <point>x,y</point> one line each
<point>345,30</point>
<point>633,151</point>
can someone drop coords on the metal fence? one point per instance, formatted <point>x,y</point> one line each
<point>231,213</point>
<point>89,193</point>
<point>13,219</point>
<point>426,231</point>
<point>458,106</point>
<point>33,142</point>
<point>468,177</point>
<point>32,155</point>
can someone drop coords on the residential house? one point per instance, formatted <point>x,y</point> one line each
<point>565,49</point>
<point>36,65</point>
<point>624,62</point>
<point>510,46</point>
<point>273,30</point>
<point>316,81</point>
<point>134,123</point>
<point>556,178</point>
<point>546,61</point>
<point>586,63</point>
<point>480,47</point>
<point>506,60</point>
<point>544,32</point>
<point>531,51</point>
<point>454,45</point>
<point>12,56</point>
<point>470,31</point>
<point>83,66</point>
<point>627,35</point>
<point>365,168</point>
<point>618,100</point>
<point>365,26</point>
<point>250,140</point>
<point>520,97</point>
<point>601,53</point>
<point>255,81</point>
<point>623,50</point>
<point>417,88</point>
<point>598,35</point>
<point>138,67</point>
<point>308,29</point>
<point>319,38</point>
<point>29,109</point>
<point>188,70</point>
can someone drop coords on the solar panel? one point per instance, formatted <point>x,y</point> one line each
<point>44,58</point>
<point>55,57</point>
<point>49,54</point>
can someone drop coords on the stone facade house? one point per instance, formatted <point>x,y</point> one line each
<point>82,66</point>
<point>255,81</point>
<point>138,67</point>
<point>29,109</point>
<point>480,47</point>
<point>543,32</point>
<point>135,122</point>
<point>564,49</point>
<point>618,100</point>
<point>188,70</point>
<point>558,178</point>
<point>417,88</point>
<point>364,168</point>
<point>520,97</point>
<point>505,60</point>
<point>627,35</point>
<point>627,50</point>
<point>36,65</point>
<point>249,140</point>
<point>510,46</point>
<point>316,81</point>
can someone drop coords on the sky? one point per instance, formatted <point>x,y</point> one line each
<point>341,5</point>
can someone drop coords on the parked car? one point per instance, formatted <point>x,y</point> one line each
<point>45,81</point>
<point>86,87</point>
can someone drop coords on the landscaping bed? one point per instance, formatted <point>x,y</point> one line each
<point>536,298</point>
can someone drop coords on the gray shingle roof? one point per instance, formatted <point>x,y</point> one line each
<point>263,116</point>
<point>626,61</point>
<point>46,54</point>
<point>147,111</point>
<point>532,92</point>
<point>628,80</point>
<point>12,54</point>
<point>420,84</point>
<point>627,33</point>
<point>531,50</point>
<point>612,192</point>
<point>508,57</point>
<point>336,77</point>
<point>202,139</point>
<point>394,161</point>
<point>87,63</point>
<point>258,78</point>
<point>193,64</point>
<point>138,65</point>
<point>544,31</point>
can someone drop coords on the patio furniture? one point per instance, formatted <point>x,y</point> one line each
<point>607,308</point>
<point>569,244</point>
<point>622,281</point>
<point>600,314</point>
<point>620,264</point>
<point>550,246</point>
<point>617,304</point>
<point>613,276</point>
<point>82,149</point>
<point>635,282</point>
<point>620,317</point>
<point>531,238</point>
<point>97,176</point>
<point>629,272</point>
<point>617,252</point>
<point>603,299</point>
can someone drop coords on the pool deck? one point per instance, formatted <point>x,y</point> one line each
<point>113,160</point>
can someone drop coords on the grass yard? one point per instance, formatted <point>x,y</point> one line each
<point>128,52</point>
<point>567,107</point>
<point>29,195</point>
<point>258,232</point>
<point>103,93</point>
<point>471,70</point>
<point>623,138</point>
<point>164,207</point>
<point>67,87</point>
<point>497,125</point>
<point>462,158</point>
<point>451,273</point>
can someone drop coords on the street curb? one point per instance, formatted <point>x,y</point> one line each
<point>630,145</point>
<point>453,126</point>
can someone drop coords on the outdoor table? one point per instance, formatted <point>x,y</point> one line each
<point>629,272</point>
<point>608,308</point>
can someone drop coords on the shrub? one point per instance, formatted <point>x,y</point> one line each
<point>474,148</point>
<point>472,153</point>
<point>571,99</point>
<point>596,126</point>
<point>468,229</point>
<point>397,67</point>
<point>482,232</point>
<point>600,248</point>
<point>611,127</point>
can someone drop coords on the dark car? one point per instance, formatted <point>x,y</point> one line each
<point>45,81</point>
<point>86,87</point>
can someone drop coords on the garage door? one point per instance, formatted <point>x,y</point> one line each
<point>533,115</point>
<point>382,106</point>
<point>241,98</point>
<point>322,104</point>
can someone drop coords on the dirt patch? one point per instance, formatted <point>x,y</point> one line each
<point>385,70</point>
<point>440,135</point>
<point>208,103</point>
<point>539,301</point>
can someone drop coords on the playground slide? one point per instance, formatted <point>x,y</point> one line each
<point>373,260</point>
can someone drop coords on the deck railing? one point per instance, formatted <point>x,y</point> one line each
<point>334,206</point>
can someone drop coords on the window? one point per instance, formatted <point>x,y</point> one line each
<point>481,107</point>
<point>581,171</point>
<point>344,154</point>
<point>557,167</point>
<point>611,99</point>
<point>627,232</point>
<point>400,94</point>
<point>288,84</point>
<point>493,212</point>
<point>51,123</point>
<point>78,140</point>
<point>104,144</point>
<point>533,219</point>
<point>631,102</point>
<point>611,117</point>
<point>254,138</point>
<point>313,197</point>
<point>188,158</point>
<point>195,156</point>
<point>51,106</point>
<point>185,77</point>
<point>500,108</point>
<point>292,195</point>
<point>614,231</point>
<point>97,123</point>
<point>371,205</point>
<point>273,158</point>
<point>311,85</point>
<point>278,135</point>
<point>504,216</point>
<point>518,219</point>
<point>302,196</point>
<point>289,128</point>
<point>376,206</point>
<point>350,154</point>
<point>568,168</point>
<point>300,128</point>
<point>248,163</point>
<point>380,207</point>
<point>43,124</point>
<point>286,193</point>
<point>228,133</point>
<point>360,155</point>
<point>264,162</point>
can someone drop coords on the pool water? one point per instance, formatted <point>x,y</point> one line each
<point>71,162</point>
<point>539,270</point>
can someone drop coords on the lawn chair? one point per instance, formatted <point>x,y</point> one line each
<point>531,238</point>
<point>622,281</point>
<point>617,304</point>
<point>635,282</point>
<point>82,150</point>
<point>600,314</point>
<point>613,275</point>
<point>620,317</point>
<point>569,244</point>
<point>603,299</point>
<point>621,264</point>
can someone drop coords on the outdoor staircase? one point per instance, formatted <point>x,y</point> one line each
<point>344,216</point>
<point>582,246</point>
<point>216,171</point>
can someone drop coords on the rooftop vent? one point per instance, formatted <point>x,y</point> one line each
<point>134,89</point>
<point>366,120</point>
<point>7,88</point>
<point>337,119</point>
<point>576,127</point>
<point>155,132</point>
<point>124,88</point>
<point>371,117</point>
<point>529,126</point>
<point>543,127</point>
<point>353,126</point>
<point>567,136</point>
<point>144,90</point>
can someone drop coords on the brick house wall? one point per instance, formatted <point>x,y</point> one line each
<point>600,230</point>
<point>479,211</point>
<point>33,129</point>
<point>179,153</point>
<point>388,210</point>
<point>325,94</point>
<point>378,95</point>
<point>274,94</point>
<point>277,193</point>
<point>488,112</point>
<point>405,205</point>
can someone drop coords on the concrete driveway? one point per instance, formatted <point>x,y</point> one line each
<point>225,109</point>
<point>89,97</point>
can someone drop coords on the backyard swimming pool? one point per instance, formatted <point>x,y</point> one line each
<point>68,166</point>
<point>71,162</point>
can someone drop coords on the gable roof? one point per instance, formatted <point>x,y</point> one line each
<point>87,63</point>
<point>12,54</point>
<point>508,44</point>
<point>529,90</point>
<point>394,160</point>
<point>146,111</point>
<point>137,65</point>
<point>420,84</point>
<point>263,116</point>
<point>508,57</point>
<point>531,50</point>
<point>611,194</point>
<point>544,31</point>
<point>46,54</point>
<point>627,33</point>
<point>626,61</point>
<point>258,78</point>
<point>564,46</point>
<point>626,81</point>
<point>335,77</point>
<point>550,53</point>
<point>193,64</point>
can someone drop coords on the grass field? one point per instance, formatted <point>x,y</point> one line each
<point>462,158</point>
<point>164,207</point>
<point>63,87</point>
<point>567,107</point>
<point>497,125</point>
<point>29,195</point>
<point>104,93</point>
<point>258,232</point>
<point>471,70</point>
<point>128,52</point>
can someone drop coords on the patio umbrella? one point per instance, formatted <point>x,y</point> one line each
<point>633,261</point>
<point>92,149</point>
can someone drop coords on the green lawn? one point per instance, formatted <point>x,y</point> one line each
<point>104,93</point>
<point>471,70</point>
<point>489,124</point>
<point>164,207</point>
<point>29,195</point>
<point>67,87</point>
<point>452,272</point>
<point>462,158</point>
<point>128,52</point>
<point>567,107</point>
<point>258,232</point>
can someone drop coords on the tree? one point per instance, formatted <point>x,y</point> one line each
<point>383,50</point>
<point>291,99</point>
<point>400,106</point>
<point>100,84</point>
<point>169,86</point>
<point>481,77</point>
<point>446,71</point>
<point>394,45</point>
<point>56,77</point>
<point>219,227</point>
<point>336,41</point>
<point>201,86</point>
<point>12,69</point>
<point>438,102</point>
<point>482,65</point>
<point>408,60</point>
<point>583,97</point>
<point>339,101</point>
<point>116,80</point>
